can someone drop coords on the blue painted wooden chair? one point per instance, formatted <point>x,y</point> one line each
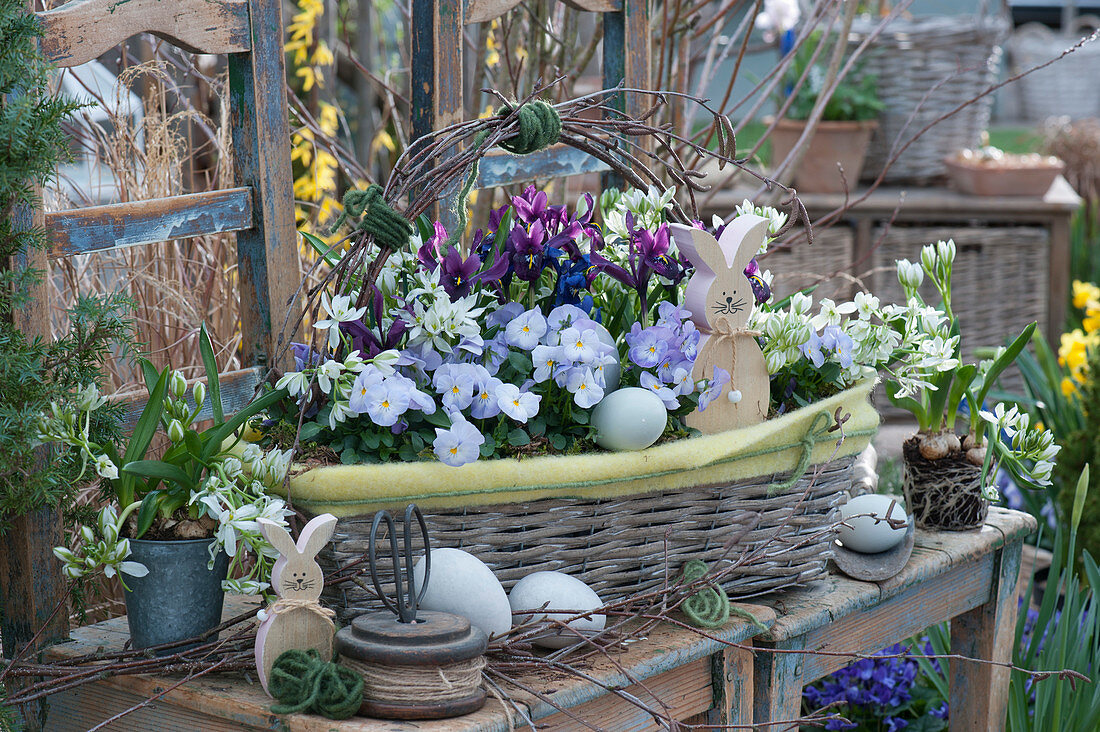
<point>437,90</point>
<point>260,209</point>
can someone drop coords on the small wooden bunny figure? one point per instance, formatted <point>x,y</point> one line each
<point>721,299</point>
<point>296,620</point>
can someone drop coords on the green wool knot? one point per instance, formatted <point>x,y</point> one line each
<point>390,229</point>
<point>539,127</point>
<point>710,606</point>
<point>303,682</point>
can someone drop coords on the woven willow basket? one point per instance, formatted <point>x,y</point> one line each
<point>759,504</point>
<point>617,546</point>
<point>924,68</point>
<point>799,266</point>
<point>1067,87</point>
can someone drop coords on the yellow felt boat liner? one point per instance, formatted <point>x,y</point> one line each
<point>790,442</point>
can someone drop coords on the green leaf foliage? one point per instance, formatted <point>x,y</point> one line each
<point>34,372</point>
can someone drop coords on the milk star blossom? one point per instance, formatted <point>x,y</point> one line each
<point>106,468</point>
<point>231,521</point>
<point>339,311</point>
<point>519,405</point>
<point>329,372</point>
<point>458,445</point>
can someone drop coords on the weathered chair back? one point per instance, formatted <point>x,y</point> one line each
<point>260,209</point>
<point>437,88</point>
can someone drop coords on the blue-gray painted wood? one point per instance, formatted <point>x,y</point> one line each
<point>143,222</point>
<point>237,390</point>
<point>267,253</point>
<point>556,162</point>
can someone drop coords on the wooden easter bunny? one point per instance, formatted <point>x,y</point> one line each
<point>721,300</point>
<point>296,620</point>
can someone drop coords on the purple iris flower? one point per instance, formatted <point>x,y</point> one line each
<point>528,247</point>
<point>760,288</point>
<point>368,342</point>
<point>531,205</point>
<point>304,356</point>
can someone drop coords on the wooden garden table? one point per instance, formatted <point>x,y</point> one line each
<point>967,577</point>
<point>698,678</point>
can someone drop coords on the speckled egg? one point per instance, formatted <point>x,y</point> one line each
<point>556,591</point>
<point>461,584</point>
<point>629,419</point>
<point>869,533</point>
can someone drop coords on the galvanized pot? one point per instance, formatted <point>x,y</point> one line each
<point>179,598</point>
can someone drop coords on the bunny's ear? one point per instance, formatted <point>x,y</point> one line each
<point>699,247</point>
<point>742,239</point>
<point>316,534</point>
<point>278,537</point>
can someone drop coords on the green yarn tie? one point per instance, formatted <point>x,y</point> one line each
<point>303,682</point>
<point>390,229</point>
<point>710,606</point>
<point>539,127</point>
<point>818,429</point>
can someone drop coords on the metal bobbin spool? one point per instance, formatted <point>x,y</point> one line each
<point>401,640</point>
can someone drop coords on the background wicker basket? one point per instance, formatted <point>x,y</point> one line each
<point>1065,88</point>
<point>924,68</point>
<point>999,283</point>
<point>621,546</point>
<point>799,266</point>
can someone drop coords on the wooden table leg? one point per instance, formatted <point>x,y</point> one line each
<point>778,678</point>
<point>732,674</point>
<point>978,691</point>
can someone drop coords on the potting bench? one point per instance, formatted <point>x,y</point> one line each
<point>966,577</point>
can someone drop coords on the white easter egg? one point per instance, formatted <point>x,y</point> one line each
<point>461,584</point>
<point>556,591</point>
<point>870,533</point>
<point>629,419</point>
<point>612,371</point>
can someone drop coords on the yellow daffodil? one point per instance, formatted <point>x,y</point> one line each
<point>1068,387</point>
<point>1084,293</point>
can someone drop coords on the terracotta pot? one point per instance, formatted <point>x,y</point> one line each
<point>833,142</point>
<point>984,180</point>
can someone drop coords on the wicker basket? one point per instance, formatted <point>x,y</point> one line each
<point>1065,88</point>
<point>925,68</point>
<point>799,266</point>
<point>620,521</point>
<point>618,546</point>
<point>999,283</point>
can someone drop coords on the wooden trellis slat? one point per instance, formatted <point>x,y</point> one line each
<point>143,222</point>
<point>82,30</point>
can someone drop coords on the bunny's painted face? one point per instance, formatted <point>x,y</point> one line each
<point>298,581</point>
<point>728,303</point>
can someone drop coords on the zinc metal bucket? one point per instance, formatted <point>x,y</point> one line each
<point>180,598</point>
